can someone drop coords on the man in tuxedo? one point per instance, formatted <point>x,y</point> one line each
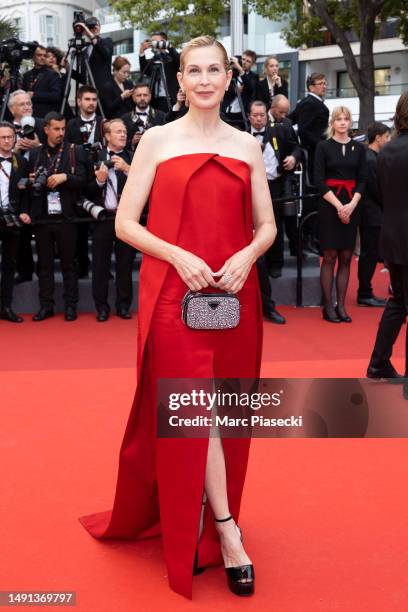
<point>100,53</point>
<point>87,127</point>
<point>105,190</point>
<point>392,171</point>
<point>143,117</point>
<point>171,64</point>
<point>243,81</point>
<point>281,153</point>
<point>312,116</point>
<point>53,206</point>
<point>378,135</point>
<point>13,211</point>
<point>21,109</point>
<point>42,84</point>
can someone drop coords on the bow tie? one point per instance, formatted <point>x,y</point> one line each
<point>258,133</point>
<point>3,159</point>
<point>110,153</point>
<point>144,113</point>
<point>90,122</point>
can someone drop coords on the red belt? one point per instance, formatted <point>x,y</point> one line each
<point>347,184</point>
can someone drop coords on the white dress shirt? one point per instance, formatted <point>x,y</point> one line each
<point>4,184</point>
<point>269,157</point>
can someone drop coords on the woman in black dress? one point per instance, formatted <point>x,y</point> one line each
<point>340,174</point>
<point>273,83</point>
<point>116,95</point>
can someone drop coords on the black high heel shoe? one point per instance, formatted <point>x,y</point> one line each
<point>330,318</point>
<point>235,575</point>
<point>343,317</point>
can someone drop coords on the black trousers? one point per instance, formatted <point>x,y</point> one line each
<point>25,262</point>
<point>104,241</point>
<point>274,255</point>
<point>64,235</point>
<point>369,240</point>
<point>392,319</point>
<point>264,285</point>
<point>9,237</point>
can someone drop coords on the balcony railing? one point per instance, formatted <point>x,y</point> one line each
<point>380,90</point>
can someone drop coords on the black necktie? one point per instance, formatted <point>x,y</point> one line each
<point>258,133</point>
<point>3,159</point>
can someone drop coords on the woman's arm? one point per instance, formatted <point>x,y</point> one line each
<point>192,269</point>
<point>239,265</point>
<point>320,177</point>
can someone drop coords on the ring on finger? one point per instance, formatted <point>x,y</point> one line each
<point>227,278</point>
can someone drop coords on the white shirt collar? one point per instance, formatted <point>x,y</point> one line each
<point>88,118</point>
<point>310,93</point>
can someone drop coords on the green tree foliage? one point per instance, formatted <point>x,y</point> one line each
<point>7,29</point>
<point>181,19</point>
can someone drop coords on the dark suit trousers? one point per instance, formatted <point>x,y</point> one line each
<point>9,239</point>
<point>369,240</point>
<point>65,236</point>
<point>103,242</point>
<point>265,285</point>
<point>274,255</point>
<point>25,262</point>
<point>392,319</point>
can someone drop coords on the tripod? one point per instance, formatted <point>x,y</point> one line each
<point>14,83</point>
<point>79,54</point>
<point>157,76</point>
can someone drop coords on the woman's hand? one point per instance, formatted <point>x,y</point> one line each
<point>235,270</point>
<point>192,270</point>
<point>126,94</point>
<point>344,214</point>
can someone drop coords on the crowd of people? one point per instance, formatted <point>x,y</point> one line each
<point>62,175</point>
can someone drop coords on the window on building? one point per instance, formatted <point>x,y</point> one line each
<point>123,46</point>
<point>50,30</point>
<point>382,83</point>
<point>20,27</point>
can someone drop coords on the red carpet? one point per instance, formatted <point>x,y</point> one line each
<point>324,520</point>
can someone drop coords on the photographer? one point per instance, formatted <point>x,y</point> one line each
<point>100,52</point>
<point>42,84</point>
<point>86,128</point>
<point>179,109</point>
<point>13,211</point>
<point>110,178</point>
<point>116,94</point>
<point>142,117</point>
<point>243,83</point>
<point>58,173</point>
<point>169,57</point>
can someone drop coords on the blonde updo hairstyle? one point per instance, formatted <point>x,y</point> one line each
<point>200,42</point>
<point>336,112</point>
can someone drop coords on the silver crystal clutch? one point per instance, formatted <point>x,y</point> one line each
<point>210,310</point>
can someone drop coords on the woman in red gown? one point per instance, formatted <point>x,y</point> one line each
<point>210,219</point>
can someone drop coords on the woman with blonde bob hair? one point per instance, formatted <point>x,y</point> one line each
<point>340,174</point>
<point>273,83</point>
<point>210,218</point>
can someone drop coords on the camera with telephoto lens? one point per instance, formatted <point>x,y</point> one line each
<point>14,51</point>
<point>97,212</point>
<point>9,218</point>
<point>108,163</point>
<point>39,183</point>
<point>79,21</point>
<point>160,45</point>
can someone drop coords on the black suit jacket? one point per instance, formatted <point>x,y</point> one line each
<point>155,117</point>
<point>249,83</point>
<point>283,143</point>
<point>18,198</point>
<point>100,61</point>
<point>97,194</point>
<point>69,191</point>
<point>111,100</point>
<point>312,117</point>
<point>46,85</point>
<point>74,135</point>
<point>171,67</point>
<point>392,169</point>
<point>263,94</point>
<point>372,215</point>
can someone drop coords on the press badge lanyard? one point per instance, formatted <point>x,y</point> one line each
<point>54,165</point>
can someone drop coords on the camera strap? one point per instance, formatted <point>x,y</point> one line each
<point>53,161</point>
<point>4,172</point>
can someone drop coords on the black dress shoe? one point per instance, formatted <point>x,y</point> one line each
<point>386,371</point>
<point>9,315</point>
<point>343,316</point>
<point>70,313</point>
<point>102,316</point>
<point>331,318</point>
<point>22,279</point>
<point>372,301</point>
<point>275,272</point>
<point>43,313</point>
<point>124,314</point>
<point>273,316</point>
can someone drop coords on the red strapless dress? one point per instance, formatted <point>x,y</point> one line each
<point>202,202</point>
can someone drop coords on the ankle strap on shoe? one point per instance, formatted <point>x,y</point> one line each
<point>224,520</point>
